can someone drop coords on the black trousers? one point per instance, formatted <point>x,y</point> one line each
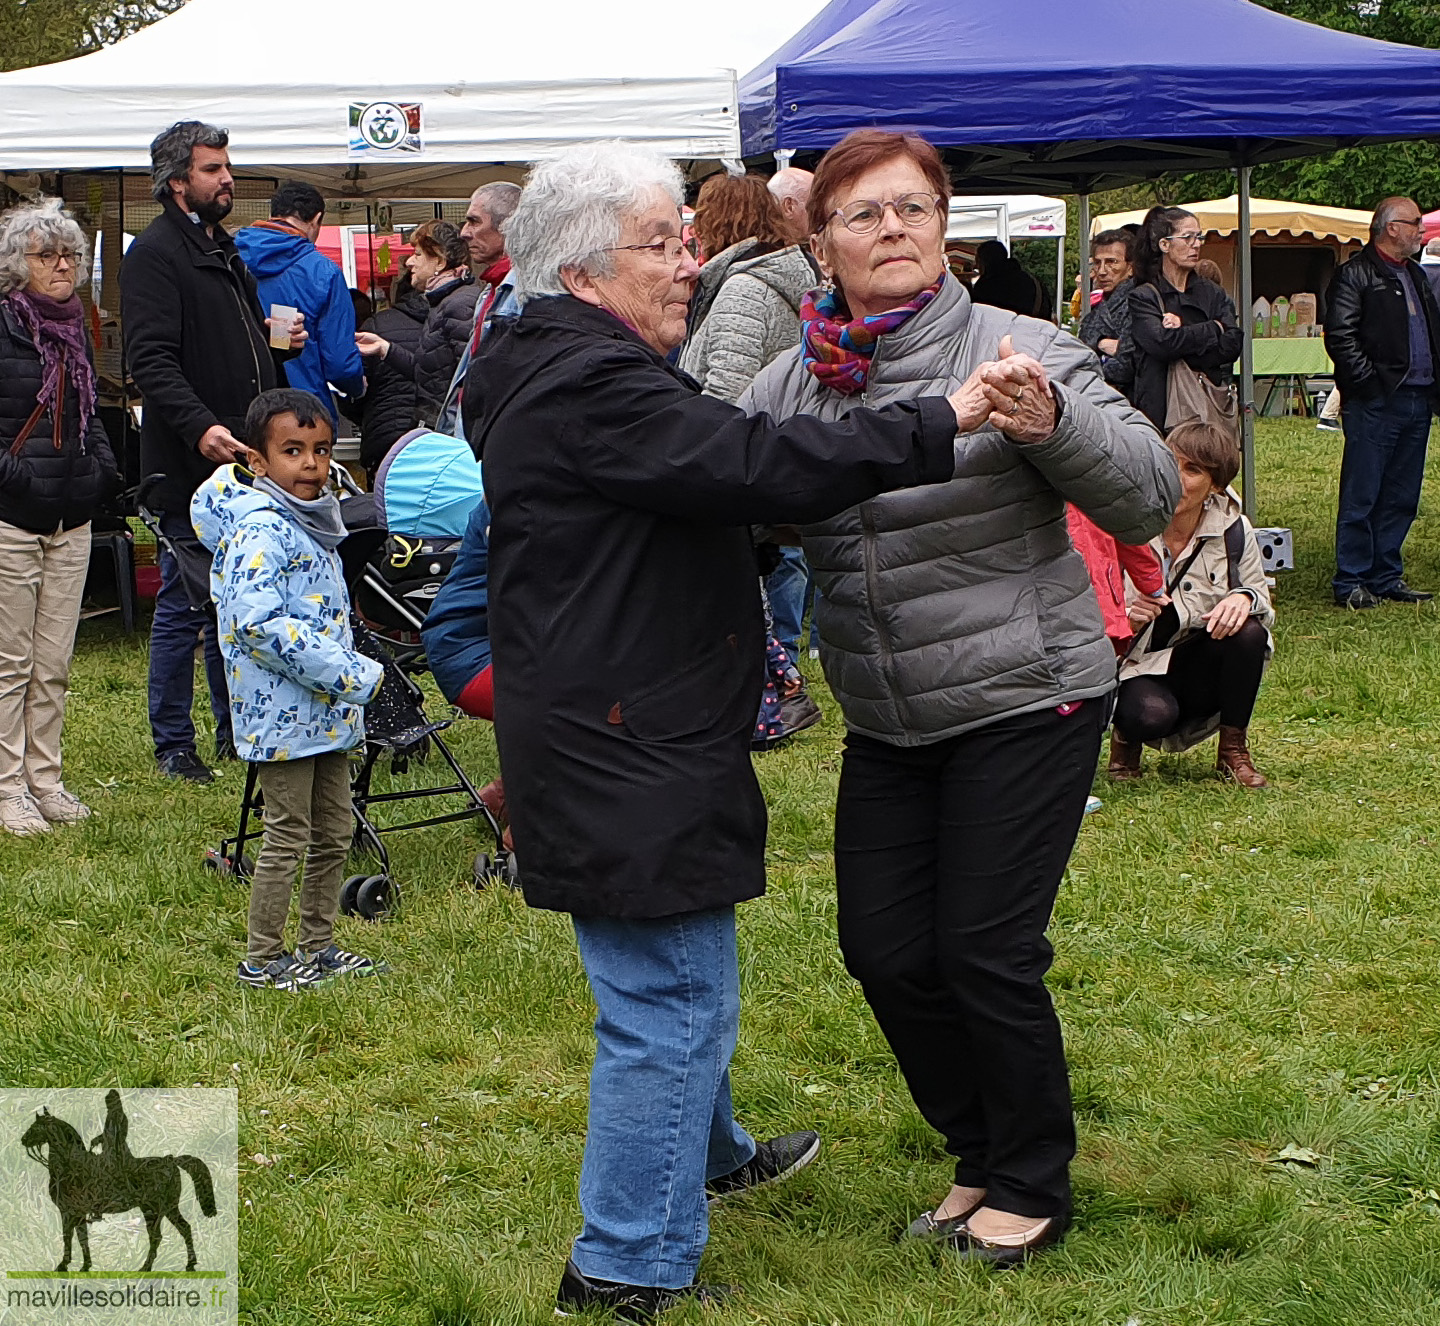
<point>1206,676</point>
<point>947,860</point>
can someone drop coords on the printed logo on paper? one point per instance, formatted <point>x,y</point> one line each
<point>386,127</point>
<point>119,1206</point>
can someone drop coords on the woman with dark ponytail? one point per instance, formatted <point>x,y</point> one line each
<point>1175,314</point>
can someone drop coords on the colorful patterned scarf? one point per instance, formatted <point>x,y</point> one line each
<point>837,348</point>
<point>57,327</point>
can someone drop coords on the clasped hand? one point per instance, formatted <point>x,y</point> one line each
<point>1224,619</point>
<point>1012,394</point>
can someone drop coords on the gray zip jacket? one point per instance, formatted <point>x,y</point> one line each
<point>947,607</point>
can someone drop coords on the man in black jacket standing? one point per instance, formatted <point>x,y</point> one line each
<point>198,348</point>
<point>1382,331</point>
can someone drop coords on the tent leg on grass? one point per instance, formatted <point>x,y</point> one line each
<point>1247,350</point>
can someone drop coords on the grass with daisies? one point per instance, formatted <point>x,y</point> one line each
<point>1249,984</point>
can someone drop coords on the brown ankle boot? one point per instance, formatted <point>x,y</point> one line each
<point>1124,758</point>
<point>1233,759</point>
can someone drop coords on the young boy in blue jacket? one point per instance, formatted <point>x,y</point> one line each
<point>297,685</point>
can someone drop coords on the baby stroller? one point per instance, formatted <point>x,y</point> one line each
<point>395,724</point>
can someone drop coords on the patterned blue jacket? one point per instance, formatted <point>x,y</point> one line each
<point>297,686</point>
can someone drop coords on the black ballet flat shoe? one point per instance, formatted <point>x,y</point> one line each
<point>925,1228</point>
<point>972,1248</point>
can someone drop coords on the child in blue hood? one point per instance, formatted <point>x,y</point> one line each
<point>297,685</point>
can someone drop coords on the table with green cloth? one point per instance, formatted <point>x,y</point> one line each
<point>1289,362</point>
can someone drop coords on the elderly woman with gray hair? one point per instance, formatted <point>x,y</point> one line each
<point>628,643</point>
<point>55,468</point>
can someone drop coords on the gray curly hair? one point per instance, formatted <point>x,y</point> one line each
<point>572,208</point>
<point>41,224</point>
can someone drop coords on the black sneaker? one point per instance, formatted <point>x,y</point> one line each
<point>286,972</point>
<point>1400,592</point>
<point>225,750</point>
<point>187,765</point>
<point>628,1302</point>
<point>1358,599</point>
<point>772,1161</point>
<point>332,960</point>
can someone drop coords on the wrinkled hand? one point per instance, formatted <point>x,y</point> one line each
<point>1171,320</point>
<point>1144,611</point>
<point>970,403</point>
<point>1022,406</point>
<point>1228,616</point>
<point>219,445</point>
<point>371,345</point>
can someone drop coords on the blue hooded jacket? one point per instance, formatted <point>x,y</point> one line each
<point>290,270</point>
<point>297,686</point>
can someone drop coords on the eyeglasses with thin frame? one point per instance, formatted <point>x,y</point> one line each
<point>1407,221</point>
<point>864,215</point>
<point>51,258</point>
<point>1188,237</point>
<point>669,249</point>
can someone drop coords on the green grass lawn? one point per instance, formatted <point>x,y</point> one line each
<point>1236,973</point>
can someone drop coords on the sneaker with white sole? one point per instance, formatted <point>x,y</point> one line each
<point>286,972</point>
<point>332,960</point>
<point>774,1160</point>
<point>21,816</point>
<point>62,807</point>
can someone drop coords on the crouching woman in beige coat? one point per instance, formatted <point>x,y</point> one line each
<point>1201,646</point>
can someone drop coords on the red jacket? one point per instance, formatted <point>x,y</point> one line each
<point>1108,562</point>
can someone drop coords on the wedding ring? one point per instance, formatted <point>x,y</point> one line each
<point>1014,404</point>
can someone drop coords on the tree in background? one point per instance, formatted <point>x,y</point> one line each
<point>43,31</point>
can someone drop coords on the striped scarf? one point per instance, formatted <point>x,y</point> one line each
<point>838,349</point>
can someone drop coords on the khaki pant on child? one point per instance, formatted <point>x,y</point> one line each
<point>42,580</point>
<point>307,815</point>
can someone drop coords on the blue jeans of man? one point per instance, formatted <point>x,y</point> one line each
<point>1385,441</point>
<point>788,586</point>
<point>667,997</point>
<point>177,627</point>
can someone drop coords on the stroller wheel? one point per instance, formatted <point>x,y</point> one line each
<point>349,891</point>
<point>483,870</point>
<point>508,869</point>
<point>222,863</point>
<point>377,897</point>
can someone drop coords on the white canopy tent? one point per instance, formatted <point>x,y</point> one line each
<point>351,99</point>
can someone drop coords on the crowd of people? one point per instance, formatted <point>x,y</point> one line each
<point>1001,531</point>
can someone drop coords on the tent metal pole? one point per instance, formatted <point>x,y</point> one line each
<point>1060,279</point>
<point>1084,229</point>
<point>1247,350</point>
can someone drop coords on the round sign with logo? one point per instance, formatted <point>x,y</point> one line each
<point>382,125</point>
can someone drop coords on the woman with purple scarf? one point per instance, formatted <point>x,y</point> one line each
<point>55,468</point>
<point>961,637</point>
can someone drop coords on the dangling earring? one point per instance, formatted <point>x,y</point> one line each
<point>827,284</point>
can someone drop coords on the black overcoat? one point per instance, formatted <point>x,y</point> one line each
<point>196,344</point>
<point>624,613</point>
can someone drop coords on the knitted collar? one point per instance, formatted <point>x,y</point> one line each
<point>837,348</point>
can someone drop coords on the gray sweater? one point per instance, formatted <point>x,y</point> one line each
<point>750,312</point>
<point>947,607</point>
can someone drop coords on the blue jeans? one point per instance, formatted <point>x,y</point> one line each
<point>789,588</point>
<point>1380,476</point>
<point>177,628</point>
<point>667,996</point>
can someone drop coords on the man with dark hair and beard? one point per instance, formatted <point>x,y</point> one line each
<point>198,347</point>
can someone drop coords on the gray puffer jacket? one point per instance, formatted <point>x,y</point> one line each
<point>945,608</point>
<point>749,313</point>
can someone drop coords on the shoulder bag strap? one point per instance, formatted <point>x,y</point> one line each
<point>1169,593</point>
<point>27,428</point>
<point>1234,549</point>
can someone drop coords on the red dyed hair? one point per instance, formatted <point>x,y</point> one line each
<point>858,152</point>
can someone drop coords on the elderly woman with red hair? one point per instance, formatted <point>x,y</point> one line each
<point>961,637</point>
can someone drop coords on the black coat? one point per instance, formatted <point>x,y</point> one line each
<point>1200,340</point>
<point>433,361</point>
<point>390,407</point>
<point>42,489</point>
<point>196,344</point>
<point>1367,326</point>
<point>624,614</point>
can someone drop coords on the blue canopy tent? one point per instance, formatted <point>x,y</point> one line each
<point>1084,96</point>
